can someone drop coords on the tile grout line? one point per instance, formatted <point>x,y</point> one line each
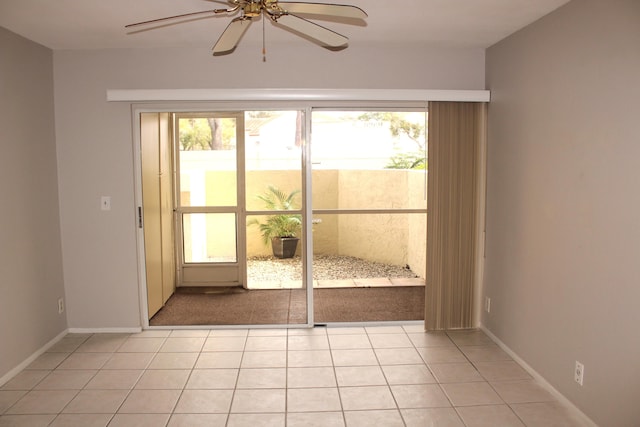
<point>335,376</point>
<point>33,387</point>
<point>286,371</point>
<point>78,392</point>
<point>235,386</point>
<point>184,386</point>
<point>144,370</point>
<point>456,408</point>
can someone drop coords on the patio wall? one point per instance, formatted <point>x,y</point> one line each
<point>397,239</point>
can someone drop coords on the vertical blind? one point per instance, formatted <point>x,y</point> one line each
<point>456,135</point>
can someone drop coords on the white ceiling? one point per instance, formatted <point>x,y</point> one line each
<point>99,24</point>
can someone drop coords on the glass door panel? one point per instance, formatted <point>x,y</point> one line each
<point>208,147</point>
<point>369,267</point>
<point>369,183</point>
<point>369,160</point>
<point>209,237</point>
<point>208,168</point>
<point>273,185</point>
<point>391,244</point>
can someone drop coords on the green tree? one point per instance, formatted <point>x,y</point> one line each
<point>400,126</point>
<point>194,134</point>
<point>207,134</point>
<point>414,160</point>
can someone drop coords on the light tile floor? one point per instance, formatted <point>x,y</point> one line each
<point>353,376</point>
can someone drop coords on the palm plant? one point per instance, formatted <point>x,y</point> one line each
<point>279,225</point>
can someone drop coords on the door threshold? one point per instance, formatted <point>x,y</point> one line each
<point>291,326</point>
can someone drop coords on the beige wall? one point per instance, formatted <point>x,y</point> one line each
<point>325,231</point>
<point>393,239</point>
<point>94,138</point>
<point>30,252</point>
<point>417,231</point>
<point>563,211</point>
<point>383,238</point>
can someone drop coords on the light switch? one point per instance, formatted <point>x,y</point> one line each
<point>105,203</point>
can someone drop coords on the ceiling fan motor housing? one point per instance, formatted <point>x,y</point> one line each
<point>252,9</point>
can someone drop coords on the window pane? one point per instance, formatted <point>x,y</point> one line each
<point>207,161</point>
<point>273,143</point>
<point>369,267</point>
<point>369,160</point>
<point>209,237</point>
<point>394,246</point>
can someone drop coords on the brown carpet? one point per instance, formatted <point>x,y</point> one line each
<point>237,306</point>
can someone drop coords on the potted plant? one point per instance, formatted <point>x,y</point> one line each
<point>281,230</point>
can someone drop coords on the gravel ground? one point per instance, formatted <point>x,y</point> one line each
<point>325,267</point>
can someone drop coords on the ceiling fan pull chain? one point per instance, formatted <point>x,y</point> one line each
<point>264,46</point>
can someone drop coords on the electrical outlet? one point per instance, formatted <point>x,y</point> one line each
<point>578,373</point>
<point>60,305</point>
<point>487,304</point>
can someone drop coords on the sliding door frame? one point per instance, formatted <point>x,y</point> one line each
<point>217,108</point>
<point>220,100</point>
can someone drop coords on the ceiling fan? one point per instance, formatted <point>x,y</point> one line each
<point>284,13</point>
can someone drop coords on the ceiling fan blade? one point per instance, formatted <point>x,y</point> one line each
<point>317,32</point>
<point>184,15</point>
<point>232,35</point>
<point>327,9</point>
<point>225,2</point>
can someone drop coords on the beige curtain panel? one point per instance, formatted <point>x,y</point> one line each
<point>456,135</point>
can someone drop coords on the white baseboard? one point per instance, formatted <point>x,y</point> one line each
<point>542,381</point>
<point>15,371</point>
<point>104,330</point>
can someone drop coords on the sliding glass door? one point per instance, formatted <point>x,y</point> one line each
<point>369,214</point>
<point>242,203</point>
<point>274,191</point>
<point>239,217</point>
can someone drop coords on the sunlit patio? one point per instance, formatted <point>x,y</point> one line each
<point>330,271</point>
